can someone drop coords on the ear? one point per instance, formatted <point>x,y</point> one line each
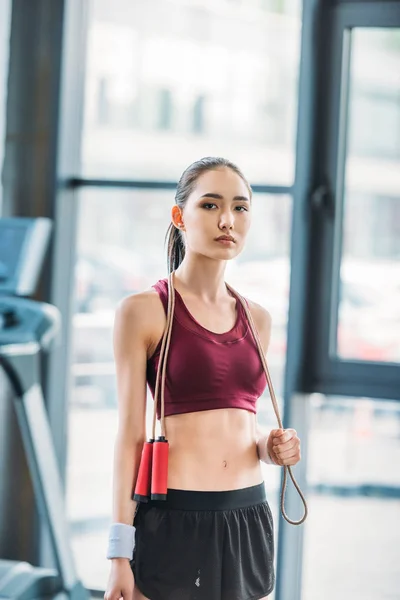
<point>176,216</point>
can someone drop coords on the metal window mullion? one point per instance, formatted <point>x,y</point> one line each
<point>77,183</point>
<point>339,167</point>
<point>368,14</point>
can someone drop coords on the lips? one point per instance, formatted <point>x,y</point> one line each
<point>226,238</point>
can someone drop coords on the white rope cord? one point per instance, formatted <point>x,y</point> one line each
<point>162,371</point>
<point>171,301</point>
<point>163,360</point>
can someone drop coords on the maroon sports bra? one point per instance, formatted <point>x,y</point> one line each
<point>207,370</point>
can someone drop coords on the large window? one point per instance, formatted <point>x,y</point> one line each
<point>352,535</point>
<point>169,81</point>
<point>369,309</point>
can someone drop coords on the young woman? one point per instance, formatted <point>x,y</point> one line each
<point>212,538</point>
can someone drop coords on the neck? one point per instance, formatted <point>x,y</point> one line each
<point>202,278</point>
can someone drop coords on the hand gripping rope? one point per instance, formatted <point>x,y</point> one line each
<point>153,470</point>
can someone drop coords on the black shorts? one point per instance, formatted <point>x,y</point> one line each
<point>205,546</point>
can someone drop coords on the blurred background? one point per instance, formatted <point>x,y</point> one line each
<point>102,106</point>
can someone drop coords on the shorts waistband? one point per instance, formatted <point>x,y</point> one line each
<point>205,500</point>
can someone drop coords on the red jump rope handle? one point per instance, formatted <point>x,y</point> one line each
<point>159,476</point>
<point>143,482</point>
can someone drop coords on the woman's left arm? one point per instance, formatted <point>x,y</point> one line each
<point>279,446</point>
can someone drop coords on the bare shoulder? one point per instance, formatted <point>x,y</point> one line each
<point>261,315</point>
<point>141,315</point>
<point>141,304</point>
<point>262,320</point>
<point>136,317</point>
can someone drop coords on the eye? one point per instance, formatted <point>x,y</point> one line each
<point>207,205</point>
<point>245,209</point>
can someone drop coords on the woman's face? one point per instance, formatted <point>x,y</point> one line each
<point>219,205</point>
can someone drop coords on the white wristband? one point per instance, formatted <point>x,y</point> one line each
<point>121,541</point>
<point>263,453</point>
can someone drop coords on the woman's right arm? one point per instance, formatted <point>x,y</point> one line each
<point>131,340</point>
<point>132,333</point>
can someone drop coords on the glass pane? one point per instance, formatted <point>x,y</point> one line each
<point>120,251</point>
<point>5,22</point>
<point>192,76</point>
<point>352,534</point>
<point>369,307</point>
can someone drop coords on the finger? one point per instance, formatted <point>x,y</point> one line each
<point>292,444</point>
<point>288,453</point>
<point>288,461</point>
<point>276,432</point>
<point>285,437</point>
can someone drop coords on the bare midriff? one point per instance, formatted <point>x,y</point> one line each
<point>213,450</point>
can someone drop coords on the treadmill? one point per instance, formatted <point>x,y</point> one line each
<point>27,329</point>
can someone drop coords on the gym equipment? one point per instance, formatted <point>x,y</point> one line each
<point>28,328</point>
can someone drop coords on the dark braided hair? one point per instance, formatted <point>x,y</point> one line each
<point>186,185</point>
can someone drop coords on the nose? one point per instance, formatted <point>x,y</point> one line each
<point>227,220</point>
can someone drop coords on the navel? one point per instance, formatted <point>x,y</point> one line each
<point>225,464</point>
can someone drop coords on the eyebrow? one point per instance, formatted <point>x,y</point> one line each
<point>219,197</point>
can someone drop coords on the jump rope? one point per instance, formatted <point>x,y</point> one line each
<point>153,471</point>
